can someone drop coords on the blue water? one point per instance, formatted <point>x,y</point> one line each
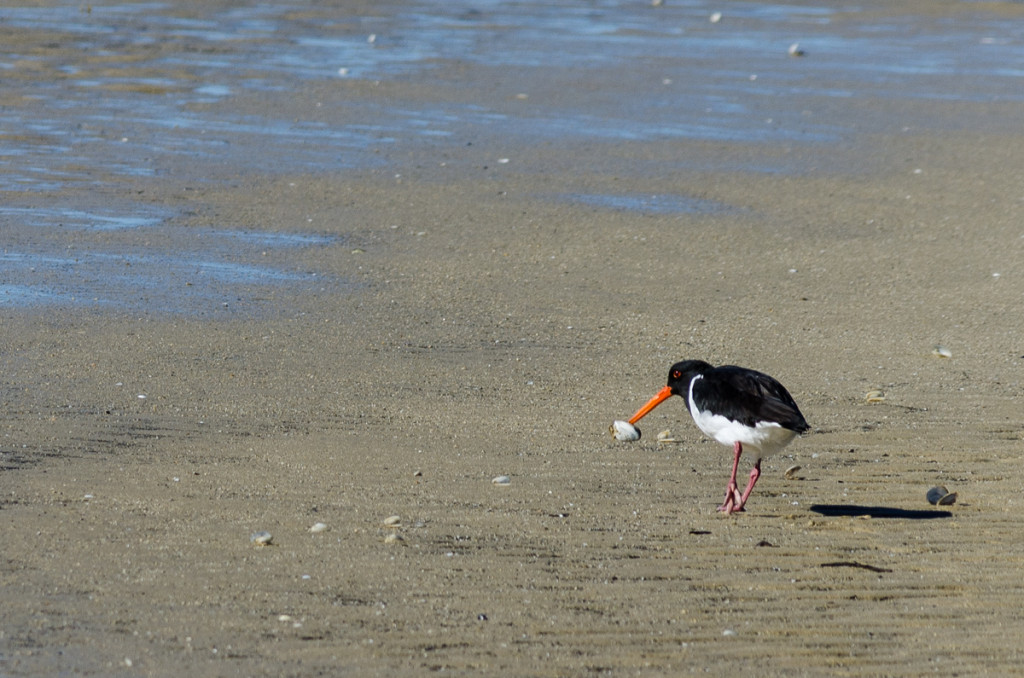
<point>151,90</point>
<point>204,272</point>
<point>648,204</point>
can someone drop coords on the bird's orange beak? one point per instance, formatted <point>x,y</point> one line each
<point>664,394</point>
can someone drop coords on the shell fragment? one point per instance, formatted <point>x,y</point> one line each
<point>261,538</point>
<point>624,431</point>
<point>666,437</point>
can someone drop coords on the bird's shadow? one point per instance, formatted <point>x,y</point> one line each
<point>855,511</point>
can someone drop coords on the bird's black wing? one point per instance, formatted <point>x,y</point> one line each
<point>749,397</point>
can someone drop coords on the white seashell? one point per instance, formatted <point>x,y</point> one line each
<point>624,431</point>
<point>318,527</point>
<point>791,473</point>
<point>393,538</point>
<point>794,50</point>
<point>393,521</point>
<point>875,395</point>
<point>715,17</point>
<point>261,538</point>
<point>941,351</point>
<point>501,480</point>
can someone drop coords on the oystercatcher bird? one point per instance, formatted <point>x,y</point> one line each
<point>739,407</point>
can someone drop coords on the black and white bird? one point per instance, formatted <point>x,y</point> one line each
<point>742,408</point>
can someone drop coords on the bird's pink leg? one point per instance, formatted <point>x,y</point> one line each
<point>733,499</point>
<point>755,473</point>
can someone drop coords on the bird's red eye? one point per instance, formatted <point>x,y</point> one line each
<point>676,374</point>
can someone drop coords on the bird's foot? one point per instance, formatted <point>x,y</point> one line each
<point>728,508</point>
<point>733,500</point>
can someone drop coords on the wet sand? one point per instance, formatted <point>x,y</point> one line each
<point>468,320</point>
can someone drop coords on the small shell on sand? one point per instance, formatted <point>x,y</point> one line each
<point>261,538</point>
<point>666,437</point>
<point>318,527</point>
<point>393,538</point>
<point>393,521</point>
<point>875,395</point>
<point>791,472</point>
<point>940,496</point>
<point>501,480</point>
<point>941,351</point>
<point>624,431</point>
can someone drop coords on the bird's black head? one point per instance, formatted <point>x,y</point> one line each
<point>682,373</point>
<point>679,377</point>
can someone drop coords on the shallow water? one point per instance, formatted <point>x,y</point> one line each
<point>96,98</point>
<point>204,272</point>
<point>649,204</point>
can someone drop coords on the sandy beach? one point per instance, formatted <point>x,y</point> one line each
<point>470,310</point>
